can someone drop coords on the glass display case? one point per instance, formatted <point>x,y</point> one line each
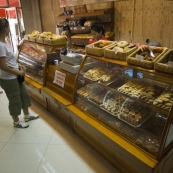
<point>130,101</point>
<point>33,56</point>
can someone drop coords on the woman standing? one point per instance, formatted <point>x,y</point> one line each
<point>10,70</point>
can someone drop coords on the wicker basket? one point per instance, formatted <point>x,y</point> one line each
<point>31,38</point>
<point>109,53</point>
<point>161,64</point>
<point>146,64</point>
<point>58,41</point>
<point>92,49</point>
<point>40,40</point>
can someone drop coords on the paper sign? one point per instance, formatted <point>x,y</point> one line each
<point>139,57</point>
<point>91,45</point>
<point>110,102</point>
<point>115,50</point>
<point>170,64</point>
<point>59,78</point>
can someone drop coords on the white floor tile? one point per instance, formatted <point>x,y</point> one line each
<point>63,135</point>
<point>65,159</point>
<point>1,146</point>
<point>38,131</point>
<point>6,129</point>
<point>21,158</point>
<point>60,149</point>
<point>3,104</point>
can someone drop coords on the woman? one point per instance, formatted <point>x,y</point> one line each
<point>97,32</point>
<point>15,91</point>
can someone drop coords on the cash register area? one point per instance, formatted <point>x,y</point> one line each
<point>47,146</point>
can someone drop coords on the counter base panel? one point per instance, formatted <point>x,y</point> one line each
<point>35,94</point>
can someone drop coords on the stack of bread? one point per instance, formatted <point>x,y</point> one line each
<point>46,38</point>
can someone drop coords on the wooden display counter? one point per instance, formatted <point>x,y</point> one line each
<point>34,90</point>
<point>113,146</point>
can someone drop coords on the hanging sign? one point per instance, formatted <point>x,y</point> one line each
<point>59,78</point>
<point>64,3</point>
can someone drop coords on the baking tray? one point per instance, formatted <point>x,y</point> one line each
<point>102,93</point>
<point>156,85</point>
<point>91,89</point>
<point>127,122</point>
<point>115,115</point>
<point>163,104</point>
<point>109,95</point>
<point>108,83</point>
<point>90,78</point>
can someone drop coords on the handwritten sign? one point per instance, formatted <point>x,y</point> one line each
<point>59,78</point>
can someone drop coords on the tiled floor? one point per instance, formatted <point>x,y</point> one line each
<point>47,146</point>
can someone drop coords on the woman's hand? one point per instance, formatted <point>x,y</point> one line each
<point>21,73</point>
<point>21,67</point>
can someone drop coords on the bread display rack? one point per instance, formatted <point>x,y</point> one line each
<point>127,104</point>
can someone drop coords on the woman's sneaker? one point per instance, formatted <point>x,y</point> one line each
<point>30,117</point>
<point>21,124</point>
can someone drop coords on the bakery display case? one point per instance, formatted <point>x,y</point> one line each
<point>33,56</point>
<point>132,102</point>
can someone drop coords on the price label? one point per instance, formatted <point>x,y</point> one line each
<point>72,16</point>
<point>139,57</point>
<point>59,78</point>
<point>75,28</point>
<point>91,45</point>
<point>110,102</point>
<point>170,64</point>
<point>83,27</point>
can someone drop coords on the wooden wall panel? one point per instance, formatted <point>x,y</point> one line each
<point>151,19</point>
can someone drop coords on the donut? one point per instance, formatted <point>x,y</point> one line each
<point>122,44</point>
<point>118,49</point>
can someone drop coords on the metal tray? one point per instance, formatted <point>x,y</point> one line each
<point>108,111</point>
<point>90,78</point>
<point>129,122</point>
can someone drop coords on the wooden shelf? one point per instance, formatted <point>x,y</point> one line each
<point>95,13</point>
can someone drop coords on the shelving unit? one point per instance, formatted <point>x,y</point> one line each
<point>108,24</point>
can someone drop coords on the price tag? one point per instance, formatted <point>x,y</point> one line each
<point>91,45</point>
<point>72,16</point>
<point>83,27</point>
<point>115,50</point>
<point>139,57</point>
<point>170,64</point>
<point>75,28</point>
<point>59,78</point>
<point>110,102</point>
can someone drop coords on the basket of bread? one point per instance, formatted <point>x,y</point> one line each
<point>120,50</point>
<point>165,63</point>
<point>46,38</point>
<point>98,48</point>
<point>141,57</point>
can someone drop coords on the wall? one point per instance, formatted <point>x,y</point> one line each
<point>135,20</point>
<point>31,15</point>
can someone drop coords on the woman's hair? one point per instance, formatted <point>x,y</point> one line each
<point>98,27</point>
<point>3,23</point>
